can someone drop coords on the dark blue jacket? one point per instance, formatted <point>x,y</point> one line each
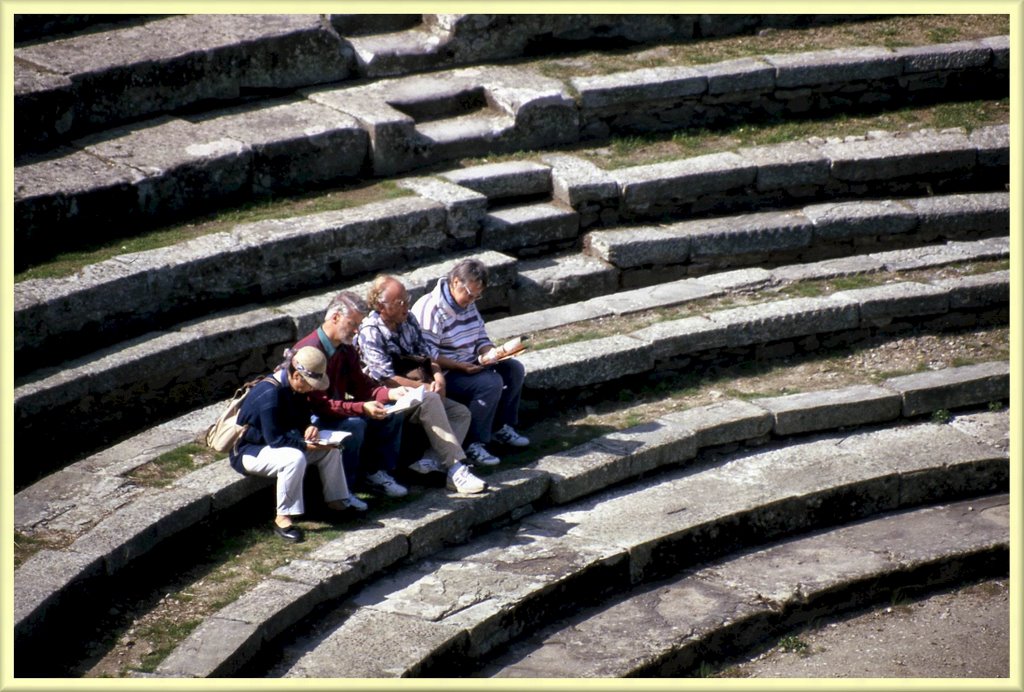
<point>277,416</point>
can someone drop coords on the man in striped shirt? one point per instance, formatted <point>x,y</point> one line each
<point>457,340</point>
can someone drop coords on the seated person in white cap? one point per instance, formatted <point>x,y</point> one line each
<point>279,440</point>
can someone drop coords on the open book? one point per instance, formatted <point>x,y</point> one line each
<point>509,349</point>
<point>411,398</point>
<point>331,437</point>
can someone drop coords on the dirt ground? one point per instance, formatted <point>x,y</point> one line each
<point>962,633</point>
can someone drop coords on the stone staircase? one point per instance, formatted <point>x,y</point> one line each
<point>160,337</point>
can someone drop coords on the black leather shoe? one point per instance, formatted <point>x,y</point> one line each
<point>293,533</point>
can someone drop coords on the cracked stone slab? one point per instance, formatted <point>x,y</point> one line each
<point>674,338</point>
<point>576,181</point>
<point>724,422</point>
<point>638,246</point>
<point>739,76</point>
<point>993,144</point>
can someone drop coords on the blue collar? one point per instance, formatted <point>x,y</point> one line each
<point>329,348</point>
<point>446,292</point>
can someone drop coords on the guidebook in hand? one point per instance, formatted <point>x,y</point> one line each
<point>331,437</point>
<point>509,349</point>
<point>412,396</point>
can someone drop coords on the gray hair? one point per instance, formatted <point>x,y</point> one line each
<point>346,303</point>
<point>469,270</point>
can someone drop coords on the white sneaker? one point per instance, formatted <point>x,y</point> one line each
<point>508,436</point>
<point>476,454</point>
<point>383,482</point>
<point>427,464</point>
<point>461,480</point>
<point>353,502</point>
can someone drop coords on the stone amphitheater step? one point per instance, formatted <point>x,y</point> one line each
<point>553,292</point>
<point>166,373</point>
<point>114,522</point>
<point>770,328</point>
<point>671,628</point>
<point>132,293</point>
<point>123,180</point>
<point>64,83</point>
<point>79,84</point>
<point>422,618</point>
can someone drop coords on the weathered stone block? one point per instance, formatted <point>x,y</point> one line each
<point>572,278</point>
<point>747,234</point>
<point>845,220</point>
<point>961,55</point>
<point>576,182</point>
<point>652,189</point>
<point>629,89</point>
<point>724,422</point>
<point>900,156</point>
<point>956,215</point>
<point>500,180</point>
<point>978,291</point>
<point>785,319</point>
<point>514,228</point>
<point>879,305</point>
<point>465,209</point>
<point>590,362</point>
<point>787,165</point>
<point>837,408</point>
<point>639,246</point>
<point>950,388</point>
<point>739,76</point>
<point>217,647</point>
<point>684,336</point>
<point>833,66</point>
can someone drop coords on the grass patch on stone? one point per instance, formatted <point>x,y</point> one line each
<point>170,466</point>
<point>25,545</point>
<point>890,32</point>
<point>636,150</point>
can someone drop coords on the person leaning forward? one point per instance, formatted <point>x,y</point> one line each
<point>277,442</point>
<point>475,375</point>
<point>389,335</point>
<point>353,402</point>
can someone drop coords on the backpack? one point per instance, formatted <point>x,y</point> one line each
<point>225,433</point>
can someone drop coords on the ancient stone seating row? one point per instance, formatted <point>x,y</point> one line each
<point>50,585</point>
<point>139,384</point>
<point>531,208</point>
<point>675,627</point>
<point>125,67</point>
<point>75,497</point>
<point>121,181</point>
<point>552,561</point>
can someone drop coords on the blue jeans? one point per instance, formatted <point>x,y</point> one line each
<point>372,446</point>
<point>491,395</point>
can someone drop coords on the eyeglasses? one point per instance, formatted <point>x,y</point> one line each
<point>403,303</point>
<point>469,291</point>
